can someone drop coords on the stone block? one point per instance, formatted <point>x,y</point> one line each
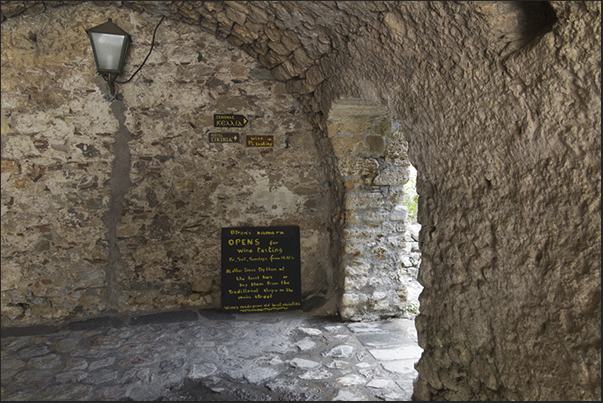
<point>384,127</point>
<point>283,71</point>
<point>357,269</point>
<point>236,15</point>
<point>382,305</point>
<point>365,200</point>
<point>392,175</point>
<point>353,283</point>
<point>299,86</point>
<point>393,227</point>
<point>301,60</point>
<point>353,299</point>
<point>379,282</point>
<point>379,295</point>
<point>257,14</point>
<point>349,144</point>
<point>396,194</point>
<point>314,75</point>
<point>346,314</point>
<point>399,213</point>
<point>202,286</point>
<point>396,153</point>
<point>279,48</point>
<point>350,184</point>
<point>397,241</point>
<point>357,166</point>
<point>353,248</point>
<point>369,216</point>
<point>380,253</point>
<point>290,40</point>
<point>359,234</point>
<point>271,59</point>
<point>376,145</point>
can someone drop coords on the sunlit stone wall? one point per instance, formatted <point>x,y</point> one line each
<point>117,205</point>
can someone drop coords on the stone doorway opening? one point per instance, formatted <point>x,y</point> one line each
<point>380,253</point>
<point>411,253</point>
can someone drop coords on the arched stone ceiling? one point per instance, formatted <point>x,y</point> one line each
<point>304,43</point>
<point>418,59</point>
<point>501,104</point>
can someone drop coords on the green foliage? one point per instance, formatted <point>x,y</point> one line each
<point>411,198</point>
<point>413,308</point>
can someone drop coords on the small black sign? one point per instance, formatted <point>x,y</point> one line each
<point>224,138</point>
<point>230,121</point>
<point>261,269</point>
<point>260,141</point>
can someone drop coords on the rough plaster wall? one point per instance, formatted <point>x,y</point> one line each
<point>502,177</point>
<point>504,127</point>
<point>116,206</point>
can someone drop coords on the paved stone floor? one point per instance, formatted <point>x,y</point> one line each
<point>208,355</point>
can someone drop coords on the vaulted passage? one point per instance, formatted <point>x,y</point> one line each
<point>112,204</point>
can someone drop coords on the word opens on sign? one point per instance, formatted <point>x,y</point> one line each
<point>261,269</point>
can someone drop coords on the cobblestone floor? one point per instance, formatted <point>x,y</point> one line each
<point>208,355</point>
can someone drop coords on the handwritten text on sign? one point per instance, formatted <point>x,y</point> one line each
<point>261,269</point>
<point>260,141</point>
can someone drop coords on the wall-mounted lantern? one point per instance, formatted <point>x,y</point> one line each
<point>110,45</point>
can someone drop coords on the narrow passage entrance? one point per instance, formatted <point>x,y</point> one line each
<point>411,257</point>
<point>379,238</point>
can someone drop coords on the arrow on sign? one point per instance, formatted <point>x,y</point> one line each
<point>230,121</point>
<point>223,137</point>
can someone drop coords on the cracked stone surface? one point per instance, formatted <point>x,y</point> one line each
<point>162,361</point>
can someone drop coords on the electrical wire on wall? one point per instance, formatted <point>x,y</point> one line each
<point>111,80</point>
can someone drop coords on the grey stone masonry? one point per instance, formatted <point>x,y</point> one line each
<point>207,355</point>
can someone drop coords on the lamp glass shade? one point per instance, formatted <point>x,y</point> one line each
<point>109,44</point>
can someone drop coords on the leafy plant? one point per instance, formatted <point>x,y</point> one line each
<point>411,198</point>
<point>413,307</point>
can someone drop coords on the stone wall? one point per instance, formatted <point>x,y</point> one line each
<point>500,103</point>
<point>116,205</point>
<point>372,161</point>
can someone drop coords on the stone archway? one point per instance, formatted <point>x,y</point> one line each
<point>372,160</point>
<point>503,102</point>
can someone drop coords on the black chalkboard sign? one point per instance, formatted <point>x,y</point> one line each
<point>261,269</point>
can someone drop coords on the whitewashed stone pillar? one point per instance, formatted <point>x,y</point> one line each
<point>373,166</point>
